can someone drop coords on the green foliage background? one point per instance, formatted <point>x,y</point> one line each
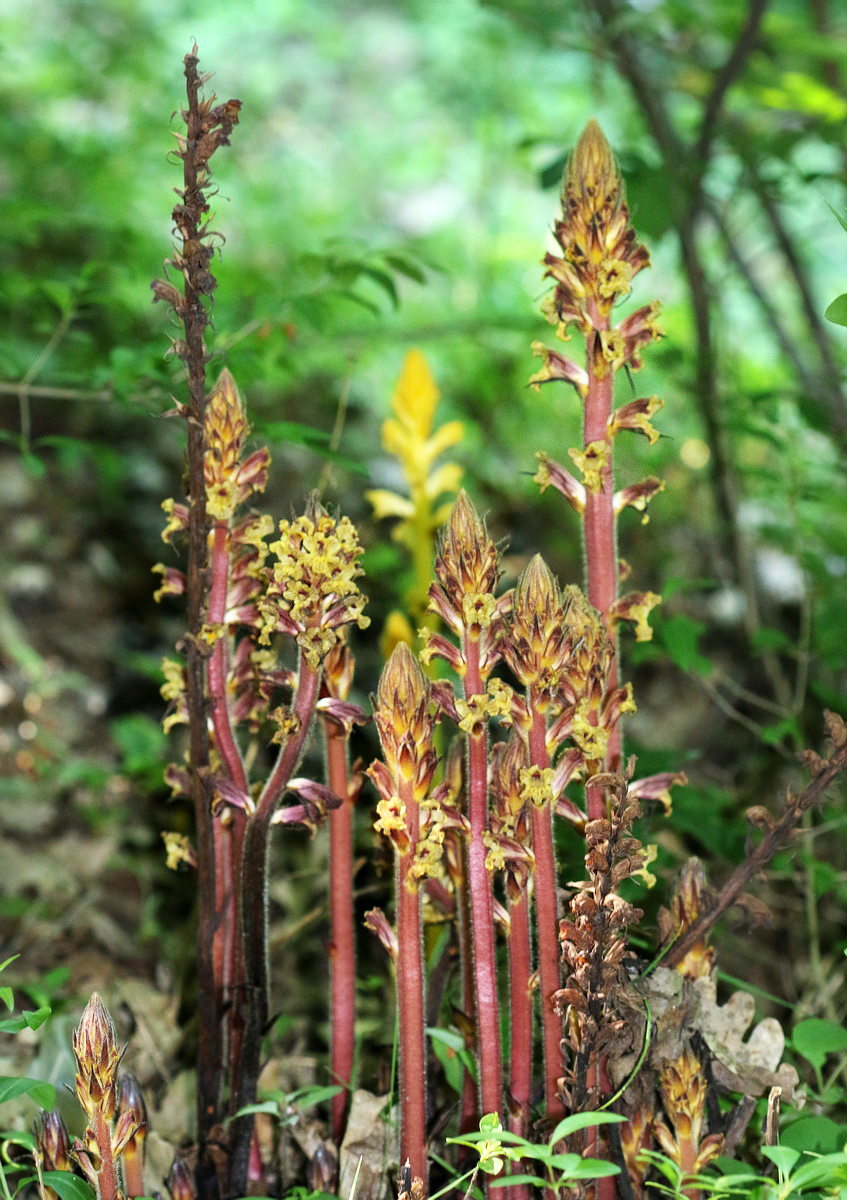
<point>391,185</point>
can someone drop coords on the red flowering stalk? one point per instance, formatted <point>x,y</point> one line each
<point>310,595</point>
<point>104,1140</point>
<point>208,127</point>
<point>538,650</point>
<point>600,257</point>
<point>512,837</point>
<point>467,570</point>
<point>413,820</point>
<point>511,827</point>
<point>337,723</point>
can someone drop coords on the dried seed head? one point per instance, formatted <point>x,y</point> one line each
<point>537,648</point>
<point>467,560</point>
<point>97,1055</point>
<point>54,1144</point>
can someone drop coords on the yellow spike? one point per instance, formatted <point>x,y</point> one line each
<point>416,394</point>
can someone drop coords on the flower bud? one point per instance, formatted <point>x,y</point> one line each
<point>96,1050</point>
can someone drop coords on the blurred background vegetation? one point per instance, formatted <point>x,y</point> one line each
<point>392,185</point>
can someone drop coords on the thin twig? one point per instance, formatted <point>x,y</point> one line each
<point>758,858</point>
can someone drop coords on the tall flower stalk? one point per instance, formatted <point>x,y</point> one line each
<point>410,818</point>
<point>245,596</point>
<point>599,258</point>
<point>467,570</point>
<point>337,681</point>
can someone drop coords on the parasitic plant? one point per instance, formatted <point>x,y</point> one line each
<point>110,1130</point>
<point>247,597</point>
<point>266,658</point>
<point>412,437</point>
<point>411,817</point>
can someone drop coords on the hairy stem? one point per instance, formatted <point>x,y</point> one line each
<point>411,1002</point>
<point>482,903</point>
<point>547,924</point>
<point>254,920</point>
<point>342,951</point>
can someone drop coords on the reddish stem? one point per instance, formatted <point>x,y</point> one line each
<point>600,530</point>
<point>411,1003</point>
<point>342,949</point>
<point>547,923</point>
<point>210,1053</point>
<point>520,1003</point>
<point>601,558</point>
<point>254,919</point>
<point>108,1187</point>
<point>229,833</point>
<point>469,1119</point>
<point>520,1024</point>
<point>487,1007</point>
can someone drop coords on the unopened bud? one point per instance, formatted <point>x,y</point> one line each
<point>54,1144</point>
<point>181,1181</point>
<point>96,1050</point>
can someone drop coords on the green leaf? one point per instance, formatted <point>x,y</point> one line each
<point>842,221</point>
<point>680,636</point>
<point>772,735</point>
<point>508,1180</point>
<point>264,1106</point>
<point>820,1135</point>
<point>594,1168</point>
<point>583,1120</point>
<point>308,1096</point>
<point>4,965</point>
<point>18,1137</point>
<point>292,432</point>
<point>814,1039</point>
<point>8,997</point>
<point>68,1186</point>
<point>27,1020</point>
<point>564,1162</point>
<point>490,1123</point>
<point>784,1157</point>
<point>837,311</point>
<point>44,1094</point>
<point>384,280</point>
<point>142,743</point>
<point>405,266</point>
<point>770,639</point>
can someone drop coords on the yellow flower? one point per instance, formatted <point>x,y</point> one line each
<point>409,435</point>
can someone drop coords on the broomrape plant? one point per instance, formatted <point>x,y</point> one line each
<point>518,736</point>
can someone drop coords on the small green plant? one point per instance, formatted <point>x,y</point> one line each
<point>554,1171</point>
<point>797,1174</point>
